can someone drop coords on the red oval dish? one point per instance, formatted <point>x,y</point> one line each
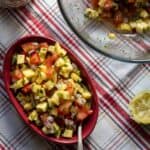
<point>88,124</point>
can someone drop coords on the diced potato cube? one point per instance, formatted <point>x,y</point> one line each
<point>54,100</point>
<point>141,26</point>
<point>42,107</point>
<point>101,3</point>
<point>49,85</point>
<point>132,24</point>
<point>68,133</point>
<point>91,13</point>
<point>42,53</point>
<point>125,27</point>
<point>67,59</point>
<point>65,95</point>
<point>112,36</point>
<point>65,70</point>
<point>33,116</point>
<point>144,14</point>
<point>60,50</point>
<point>28,106</point>
<point>86,94</point>
<point>29,73</point>
<point>76,77</point>
<point>20,59</point>
<point>52,49</point>
<point>41,77</point>
<point>43,67</point>
<point>60,62</point>
<point>61,86</point>
<point>79,88</point>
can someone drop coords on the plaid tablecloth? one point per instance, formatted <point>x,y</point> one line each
<point>116,84</point>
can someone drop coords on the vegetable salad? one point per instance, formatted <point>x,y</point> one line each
<point>125,15</point>
<point>50,88</point>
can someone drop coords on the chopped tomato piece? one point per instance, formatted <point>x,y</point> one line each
<point>95,3</point>
<point>48,61</point>
<point>51,59</point>
<point>30,46</point>
<point>108,5</point>
<point>55,57</point>
<point>43,45</point>
<point>90,112</point>
<point>26,88</point>
<point>17,74</point>
<point>83,113</point>
<point>35,59</point>
<point>50,73</point>
<point>131,1</point>
<point>70,88</point>
<point>64,108</point>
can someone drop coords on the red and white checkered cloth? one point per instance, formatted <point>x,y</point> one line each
<point>116,84</point>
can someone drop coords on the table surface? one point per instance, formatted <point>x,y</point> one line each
<point>116,83</point>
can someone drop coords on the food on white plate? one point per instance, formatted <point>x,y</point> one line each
<point>50,88</point>
<point>139,107</point>
<point>126,15</point>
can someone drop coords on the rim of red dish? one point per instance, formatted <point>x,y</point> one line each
<point>88,128</point>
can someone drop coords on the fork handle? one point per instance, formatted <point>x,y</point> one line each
<point>80,144</point>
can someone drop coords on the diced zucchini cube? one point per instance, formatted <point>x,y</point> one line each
<point>20,59</point>
<point>68,133</point>
<point>28,73</point>
<point>56,127</point>
<point>41,93</point>
<point>53,111</point>
<point>45,130</point>
<point>42,53</point>
<point>42,107</point>
<point>33,116</point>
<point>20,96</point>
<point>17,85</point>
<point>65,95</point>
<point>54,100</point>
<point>25,81</point>
<point>41,77</point>
<point>36,87</point>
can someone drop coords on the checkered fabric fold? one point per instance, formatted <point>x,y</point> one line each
<point>114,130</point>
